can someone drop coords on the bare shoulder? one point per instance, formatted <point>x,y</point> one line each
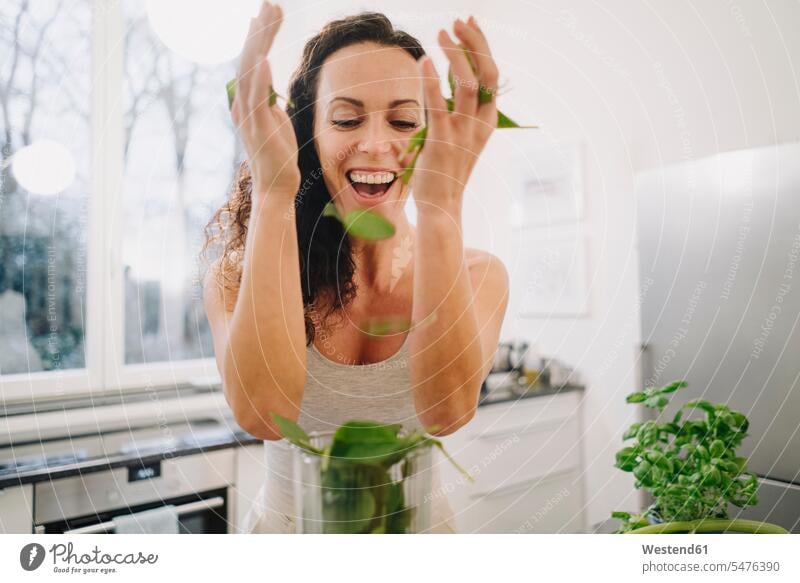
<point>484,266</point>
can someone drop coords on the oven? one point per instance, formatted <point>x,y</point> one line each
<point>198,485</point>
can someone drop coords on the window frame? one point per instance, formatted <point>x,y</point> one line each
<point>105,369</point>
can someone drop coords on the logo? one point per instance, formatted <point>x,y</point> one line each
<point>31,556</point>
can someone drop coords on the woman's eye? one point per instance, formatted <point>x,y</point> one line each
<point>407,125</point>
<point>345,123</point>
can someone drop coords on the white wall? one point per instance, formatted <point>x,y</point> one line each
<point>641,84</point>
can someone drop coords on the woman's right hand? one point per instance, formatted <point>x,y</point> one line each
<point>266,131</point>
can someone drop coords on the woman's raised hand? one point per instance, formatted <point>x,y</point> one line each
<point>455,140</point>
<point>266,130</point>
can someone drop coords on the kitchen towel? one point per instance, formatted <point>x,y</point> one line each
<point>161,520</point>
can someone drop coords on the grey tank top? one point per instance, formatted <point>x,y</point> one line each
<point>335,393</point>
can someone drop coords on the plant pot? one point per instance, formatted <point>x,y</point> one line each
<point>342,496</point>
<point>712,526</point>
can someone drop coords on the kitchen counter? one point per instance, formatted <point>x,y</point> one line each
<point>225,434</point>
<point>235,439</point>
<point>539,390</point>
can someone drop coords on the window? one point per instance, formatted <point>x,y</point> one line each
<point>180,154</point>
<point>100,282</point>
<point>45,76</point>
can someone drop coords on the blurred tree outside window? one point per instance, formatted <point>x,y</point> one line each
<point>180,154</point>
<point>45,84</point>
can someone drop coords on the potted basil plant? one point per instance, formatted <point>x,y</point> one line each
<point>690,467</point>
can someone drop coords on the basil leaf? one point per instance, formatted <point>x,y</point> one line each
<point>361,223</point>
<point>365,224</point>
<point>294,433</point>
<point>230,89</point>
<point>367,432</point>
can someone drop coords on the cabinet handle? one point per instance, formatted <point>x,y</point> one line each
<point>510,488</point>
<point>213,502</point>
<point>520,429</point>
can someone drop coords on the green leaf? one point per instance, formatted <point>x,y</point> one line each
<point>484,95</point>
<point>670,428</point>
<point>701,404</point>
<point>672,387</point>
<point>439,444</point>
<point>405,175</point>
<point>294,433</point>
<point>384,326</point>
<point>626,459</point>
<point>451,82</point>
<point>717,448</point>
<point>631,431</point>
<point>638,397</point>
<point>361,223</point>
<point>394,325</point>
<point>711,477</point>
<point>505,122</point>
<point>398,517</point>
<point>656,402</point>
<point>739,421</point>
<point>417,140</point>
<point>367,432</point>
<point>644,473</point>
<point>348,501</point>
<point>230,89</point>
<point>659,459</point>
<point>365,224</point>
<point>331,210</point>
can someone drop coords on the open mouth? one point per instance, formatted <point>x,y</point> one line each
<point>371,185</point>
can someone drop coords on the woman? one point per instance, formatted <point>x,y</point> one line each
<point>290,299</point>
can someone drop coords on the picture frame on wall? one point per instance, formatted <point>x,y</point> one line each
<point>553,273</point>
<point>546,180</point>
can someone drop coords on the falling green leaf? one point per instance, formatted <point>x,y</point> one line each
<point>331,210</point>
<point>394,325</point>
<point>405,175</point>
<point>417,140</point>
<point>484,95</point>
<point>384,327</point>
<point>505,122</point>
<point>365,224</point>
<point>362,223</point>
<point>230,88</point>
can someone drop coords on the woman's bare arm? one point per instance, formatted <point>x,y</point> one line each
<point>451,355</point>
<point>260,343</point>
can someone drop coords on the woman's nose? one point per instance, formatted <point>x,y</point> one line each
<point>375,141</point>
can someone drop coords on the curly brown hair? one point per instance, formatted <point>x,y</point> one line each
<point>326,261</point>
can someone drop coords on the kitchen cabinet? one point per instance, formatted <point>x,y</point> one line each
<point>526,460</point>
<point>250,475</point>
<point>16,509</point>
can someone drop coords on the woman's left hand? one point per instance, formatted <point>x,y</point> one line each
<point>454,140</point>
